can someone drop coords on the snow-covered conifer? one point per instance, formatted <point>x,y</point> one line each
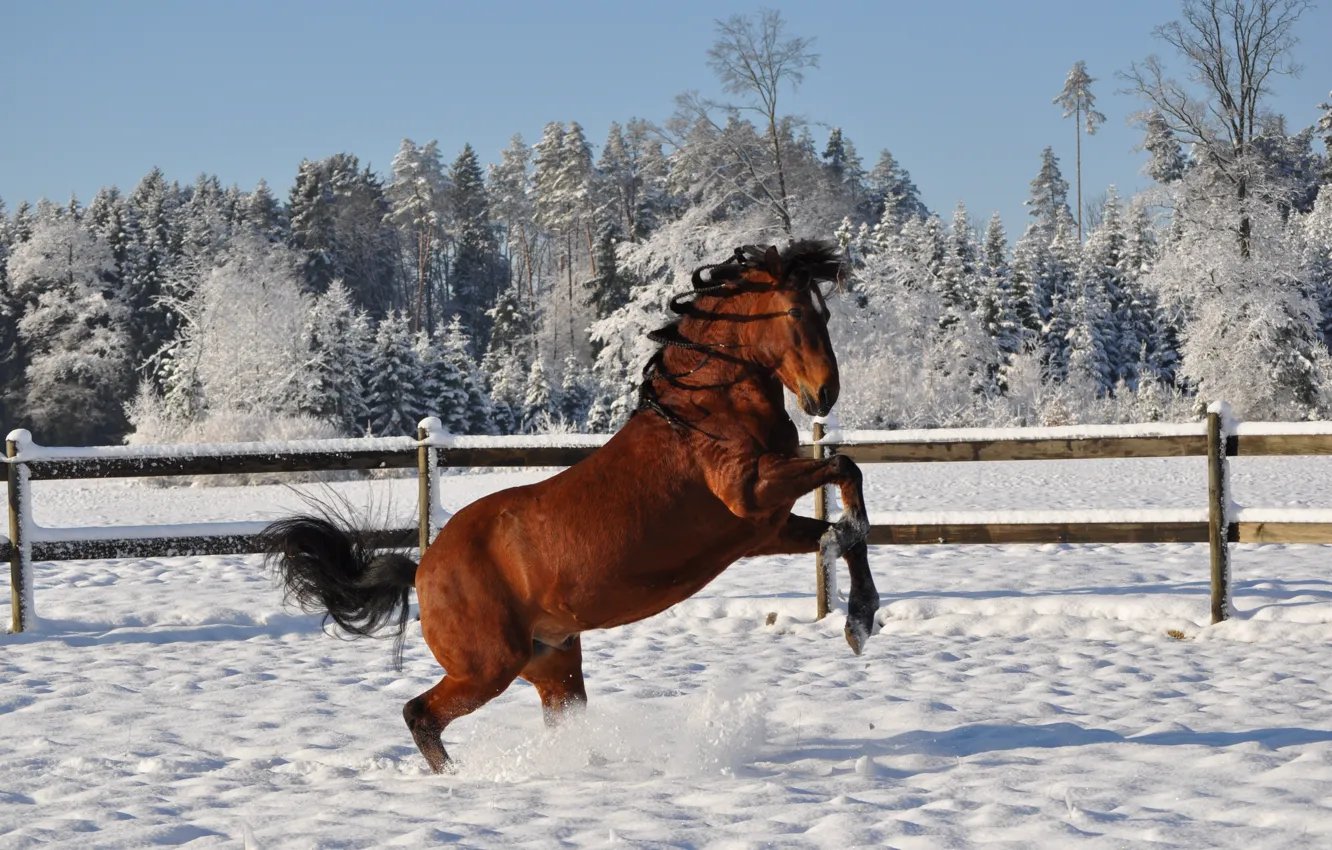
<point>1049,194</point>
<point>74,334</point>
<point>338,344</point>
<point>395,375</point>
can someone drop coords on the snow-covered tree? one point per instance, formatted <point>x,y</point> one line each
<point>393,388</point>
<point>1049,194</point>
<point>466,405</point>
<point>893,196</point>
<point>1080,104</point>
<point>338,341</point>
<point>538,406</point>
<point>417,193</point>
<point>242,342</point>
<point>1167,157</point>
<point>73,333</point>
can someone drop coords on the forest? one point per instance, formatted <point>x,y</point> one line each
<point>514,296</point>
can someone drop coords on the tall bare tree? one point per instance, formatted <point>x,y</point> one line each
<point>1080,103</point>
<point>754,62</point>
<point>1232,49</point>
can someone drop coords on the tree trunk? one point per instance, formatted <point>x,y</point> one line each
<point>591,257</point>
<point>1077,128</point>
<point>422,248</point>
<point>784,210</point>
<point>1245,225</point>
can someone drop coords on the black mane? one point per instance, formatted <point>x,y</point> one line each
<point>804,263</point>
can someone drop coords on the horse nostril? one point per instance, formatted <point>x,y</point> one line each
<point>826,399</point>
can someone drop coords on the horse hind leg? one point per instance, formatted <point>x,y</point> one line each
<point>557,674</point>
<point>457,695</point>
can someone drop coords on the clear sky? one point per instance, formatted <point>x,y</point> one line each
<point>97,93</point>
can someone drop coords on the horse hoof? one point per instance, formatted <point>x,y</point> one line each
<point>855,638</point>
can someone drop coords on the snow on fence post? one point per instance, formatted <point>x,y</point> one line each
<point>426,467</point>
<point>1218,494</point>
<point>22,607</point>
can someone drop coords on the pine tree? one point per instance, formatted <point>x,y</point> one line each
<point>430,398</point>
<point>609,288</point>
<point>12,361</point>
<point>511,336</point>
<point>468,411</point>
<point>1324,126</point>
<point>1089,356</point>
<point>1103,267</point>
<point>1029,278</point>
<point>1049,194</point>
<point>996,310</point>
<point>395,375</point>
<point>653,203</point>
<point>537,401</point>
<point>262,214</point>
<point>153,248</point>
<point>1059,276</point>
<point>893,196</point>
<point>417,193</point>
<point>1167,157</point>
<point>506,396</point>
<point>339,346</point>
<point>1079,102</point>
<point>341,218</point>
<point>510,201</point>
<point>575,393</point>
<point>474,277</point>
<point>958,273</point>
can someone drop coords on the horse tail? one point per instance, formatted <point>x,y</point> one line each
<point>325,565</point>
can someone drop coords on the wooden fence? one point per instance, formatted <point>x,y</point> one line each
<point>1215,439</point>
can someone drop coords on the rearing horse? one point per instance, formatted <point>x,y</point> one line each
<point>705,472</point>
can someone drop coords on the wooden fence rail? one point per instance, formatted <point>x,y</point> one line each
<point>1216,439</point>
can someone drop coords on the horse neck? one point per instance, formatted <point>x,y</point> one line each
<point>717,375</point>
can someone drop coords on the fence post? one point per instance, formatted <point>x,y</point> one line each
<point>1217,521</point>
<point>425,484</point>
<point>821,512</point>
<point>20,559</point>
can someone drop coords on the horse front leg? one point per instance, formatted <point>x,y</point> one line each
<point>801,535</point>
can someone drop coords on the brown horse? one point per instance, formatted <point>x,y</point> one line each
<point>704,473</point>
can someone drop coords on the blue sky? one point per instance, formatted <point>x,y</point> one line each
<point>96,93</point>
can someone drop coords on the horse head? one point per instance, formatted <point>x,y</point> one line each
<point>786,330</point>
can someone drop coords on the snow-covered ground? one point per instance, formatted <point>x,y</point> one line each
<point>1017,696</point>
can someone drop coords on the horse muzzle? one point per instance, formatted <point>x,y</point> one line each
<point>820,403</point>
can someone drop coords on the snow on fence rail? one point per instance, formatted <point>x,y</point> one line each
<point>1216,438</point>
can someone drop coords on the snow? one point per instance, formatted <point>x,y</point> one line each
<point>1063,432</point>
<point>1274,429</point>
<point>1021,696</point>
<point>1007,517</point>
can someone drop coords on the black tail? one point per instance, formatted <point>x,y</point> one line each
<point>327,566</point>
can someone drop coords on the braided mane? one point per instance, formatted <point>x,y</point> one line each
<point>804,264</point>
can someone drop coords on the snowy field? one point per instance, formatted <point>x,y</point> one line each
<point>1016,697</point>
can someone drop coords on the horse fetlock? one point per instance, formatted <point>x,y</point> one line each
<point>427,733</point>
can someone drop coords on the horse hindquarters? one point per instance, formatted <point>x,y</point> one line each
<point>473,624</point>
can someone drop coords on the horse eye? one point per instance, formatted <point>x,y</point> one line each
<point>795,313</point>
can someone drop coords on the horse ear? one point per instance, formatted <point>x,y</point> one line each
<point>773,261</point>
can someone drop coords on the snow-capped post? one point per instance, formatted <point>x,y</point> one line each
<point>426,467</point>
<point>20,514</point>
<point>820,512</point>
<point>1218,520</point>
